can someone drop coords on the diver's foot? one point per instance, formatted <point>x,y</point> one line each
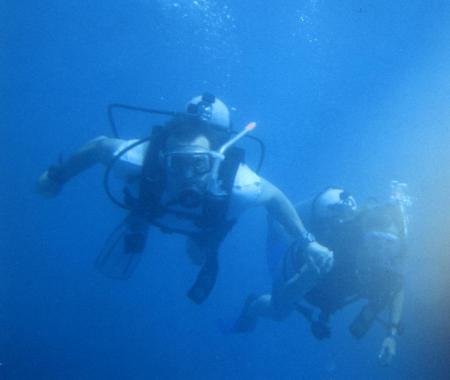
<point>245,321</point>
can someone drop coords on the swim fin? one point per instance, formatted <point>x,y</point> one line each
<point>246,322</point>
<point>206,279</point>
<point>123,248</point>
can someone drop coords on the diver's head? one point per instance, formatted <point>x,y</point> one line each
<point>333,206</point>
<point>189,150</point>
<point>210,110</point>
<point>187,160</point>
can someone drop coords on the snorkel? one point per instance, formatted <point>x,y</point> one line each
<point>214,184</point>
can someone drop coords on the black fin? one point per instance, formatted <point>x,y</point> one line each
<point>206,279</point>
<point>123,248</point>
<point>245,322</point>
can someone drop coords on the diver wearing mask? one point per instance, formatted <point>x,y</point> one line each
<point>187,178</point>
<point>369,245</point>
<point>188,169</point>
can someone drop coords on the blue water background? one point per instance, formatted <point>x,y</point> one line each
<point>348,93</point>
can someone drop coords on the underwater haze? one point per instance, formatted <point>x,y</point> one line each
<point>351,93</point>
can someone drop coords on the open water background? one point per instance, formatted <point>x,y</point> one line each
<point>349,93</point>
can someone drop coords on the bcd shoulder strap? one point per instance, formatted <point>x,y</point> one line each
<point>152,180</point>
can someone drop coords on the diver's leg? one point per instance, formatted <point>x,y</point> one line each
<point>276,306</point>
<point>298,274</point>
<point>283,299</point>
<point>286,294</point>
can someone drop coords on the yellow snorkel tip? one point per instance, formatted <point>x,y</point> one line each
<point>247,129</point>
<point>250,126</point>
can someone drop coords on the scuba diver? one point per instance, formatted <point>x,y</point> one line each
<point>369,246</point>
<point>186,178</point>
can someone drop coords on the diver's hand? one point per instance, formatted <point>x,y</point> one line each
<point>320,257</point>
<point>47,186</point>
<point>388,351</point>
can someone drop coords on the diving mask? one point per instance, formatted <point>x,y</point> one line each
<point>188,162</point>
<point>189,169</point>
<point>194,170</point>
<point>345,209</point>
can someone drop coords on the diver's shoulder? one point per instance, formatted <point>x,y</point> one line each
<point>246,191</point>
<point>246,176</point>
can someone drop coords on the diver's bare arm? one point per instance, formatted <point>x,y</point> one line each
<point>389,345</point>
<point>282,210</point>
<point>98,150</point>
<point>395,312</point>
